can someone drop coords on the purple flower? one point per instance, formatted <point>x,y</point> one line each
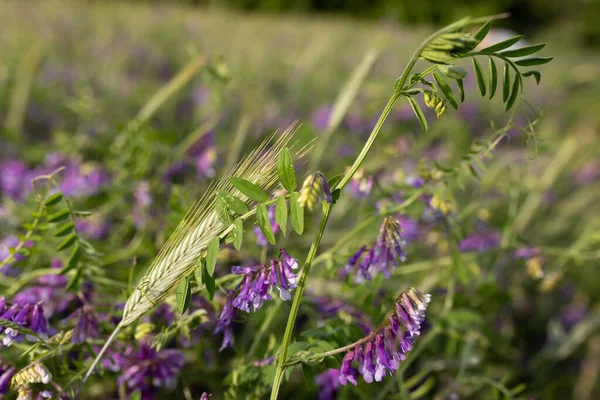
<point>204,396</point>
<point>328,383</point>
<point>527,252</point>
<point>360,185</point>
<point>6,373</point>
<point>30,316</point>
<point>13,181</point>
<point>146,369</point>
<point>50,292</point>
<point>587,174</point>
<point>572,314</point>
<point>264,362</point>
<point>480,242</point>
<point>83,180</point>
<point>224,323</point>
<point>86,327</point>
<point>347,372</point>
<point>355,123</point>
<point>205,163</point>
<point>142,199</point>
<point>93,227</point>
<point>387,347</point>
<point>261,240</point>
<point>384,256</point>
<point>259,281</point>
<point>320,118</point>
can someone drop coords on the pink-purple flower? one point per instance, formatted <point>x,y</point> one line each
<point>385,348</point>
<point>383,257</point>
<point>146,369</point>
<point>30,316</point>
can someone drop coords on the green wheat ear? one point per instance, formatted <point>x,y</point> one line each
<point>201,225</point>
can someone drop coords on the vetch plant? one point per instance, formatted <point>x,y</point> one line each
<point>178,309</point>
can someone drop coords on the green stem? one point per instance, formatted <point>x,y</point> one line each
<point>398,88</point>
<point>287,337</point>
<point>365,150</point>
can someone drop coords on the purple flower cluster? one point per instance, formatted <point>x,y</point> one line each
<point>12,179</point>
<point>328,382</point>
<point>387,346</point>
<point>146,369</point>
<point>87,325</point>
<point>259,281</point>
<point>527,252</point>
<point>480,242</point>
<point>6,373</point>
<point>50,292</point>
<point>78,179</point>
<point>225,321</point>
<point>30,316</point>
<point>383,257</point>
<point>261,240</point>
<point>254,289</point>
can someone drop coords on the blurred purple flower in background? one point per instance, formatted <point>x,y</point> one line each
<point>6,373</point>
<point>30,316</point>
<point>146,369</point>
<point>225,321</point>
<point>480,242</point>
<point>360,185</point>
<point>328,383</point>
<point>13,179</point>
<point>320,118</point>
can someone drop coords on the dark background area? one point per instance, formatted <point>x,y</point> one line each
<point>527,16</point>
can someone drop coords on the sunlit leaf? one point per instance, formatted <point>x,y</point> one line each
<point>530,62</point>
<point>59,215</point>
<point>493,78</point>
<point>513,95</point>
<point>505,44</point>
<point>233,203</point>
<point>183,294</point>
<point>483,31</point>
<point>446,90</point>
<point>67,242</point>
<point>54,199</point>
<point>238,233</point>
<point>249,189</point>
<point>419,113</point>
<point>285,170</point>
<point>453,72</point>
<point>461,90</point>
<point>281,214</point>
<point>222,211</point>
<point>64,229</point>
<point>211,256</point>
<point>262,218</point>
<point>523,51</point>
<point>296,213</point>
<point>506,83</point>
<point>535,74</point>
<point>480,77</point>
<point>209,282</point>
